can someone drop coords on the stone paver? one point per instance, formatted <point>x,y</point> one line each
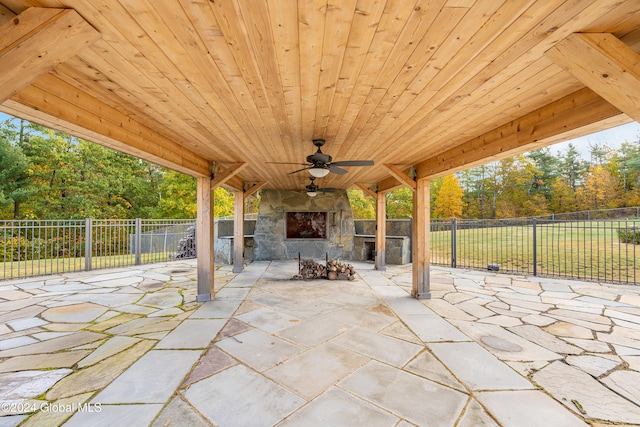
<point>192,333</point>
<point>152,379</point>
<point>477,368</point>
<point>514,409</point>
<point>487,350</point>
<point>417,400</point>
<point>240,396</point>
<point>337,408</point>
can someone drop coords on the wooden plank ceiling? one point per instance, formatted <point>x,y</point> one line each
<point>439,85</point>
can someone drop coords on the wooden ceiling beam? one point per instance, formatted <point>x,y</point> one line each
<point>537,129</point>
<point>223,177</point>
<point>401,176</point>
<point>35,42</point>
<point>604,64</point>
<point>233,184</point>
<point>366,189</point>
<point>389,184</point>
<point>254,188</point>
<point>56,104</point>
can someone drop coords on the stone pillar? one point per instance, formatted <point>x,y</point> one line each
<point>205,240</point>
<point>421,288</point>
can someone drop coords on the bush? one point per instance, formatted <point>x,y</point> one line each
<point>629,235</point>
<point>18,248</point>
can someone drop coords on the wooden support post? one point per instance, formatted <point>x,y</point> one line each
<point>381,231</point>
<point>420,240</point>
<point>238,231</point>
<point>204,241</point>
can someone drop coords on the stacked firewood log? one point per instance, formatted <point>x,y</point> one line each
<point>187,245</point>
<point>334,270</point>
<point>340,271</point>
<point>309,269</point>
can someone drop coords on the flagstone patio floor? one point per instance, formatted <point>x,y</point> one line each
<point>133,347</point>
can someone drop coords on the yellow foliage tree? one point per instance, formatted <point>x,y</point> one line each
<point>448,201</point>
<point>600,190</point>
<point>564,198</point>
<point>361,206</point>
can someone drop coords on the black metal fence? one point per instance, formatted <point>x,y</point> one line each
<point>593,250</point>
<point>39,247</point>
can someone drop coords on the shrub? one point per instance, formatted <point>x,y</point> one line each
<point>629,235</point>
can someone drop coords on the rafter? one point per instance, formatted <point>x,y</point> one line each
<point>389,184</point>
<point>366,189</point>
<point>534,130</point>
<point>401,176</point>
<point>33,43</point>
<point>604,64</point>
<point>229,172</point>
<point>233,184</point>
<point>254,188</point>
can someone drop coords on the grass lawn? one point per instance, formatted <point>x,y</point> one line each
<point>579,250</point>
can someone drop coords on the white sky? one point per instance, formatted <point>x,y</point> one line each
<point>613,138</point>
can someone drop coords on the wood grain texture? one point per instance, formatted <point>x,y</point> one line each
<point>604,64</point>
<point>440,84</point>
<point>33,43</point>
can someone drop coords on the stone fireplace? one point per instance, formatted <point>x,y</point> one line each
<point>291,223</point>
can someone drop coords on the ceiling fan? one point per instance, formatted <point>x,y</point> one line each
<point>320,164</point>
<point>313,189</point>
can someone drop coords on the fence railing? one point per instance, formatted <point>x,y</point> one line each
<point>40,247</point>
<point>596,250</point>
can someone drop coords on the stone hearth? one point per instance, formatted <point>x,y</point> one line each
<point>271,243</point>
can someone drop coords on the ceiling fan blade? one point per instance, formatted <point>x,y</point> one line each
<point>300,170</point>
<point>286,163</point>
<point>353,163</point>
<point>336,169</point>
<point>327,190</point>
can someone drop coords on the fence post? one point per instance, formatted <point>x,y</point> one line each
<point>454,261</point>
<point>88,243</point>
<point>138,240</point>
<point>535,248</point>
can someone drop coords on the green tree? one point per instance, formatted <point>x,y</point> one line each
<point>475,195</point>
<point>177,196</point>
<point>361,206</point>
<point>14,179</point>
<point>448,201</point>
<point>546,171</point>
<point>599,153</point>
<point>222,203</point>
<point>629,171</point>
<point>572,167</point>
<point>400,203</point>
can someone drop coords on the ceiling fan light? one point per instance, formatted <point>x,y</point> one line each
<point>312,193</point>
<point>319,172</point>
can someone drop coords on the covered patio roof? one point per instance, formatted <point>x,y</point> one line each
<point>234,86</point>
<point>234,92</point>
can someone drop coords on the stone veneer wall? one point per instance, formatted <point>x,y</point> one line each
<point>269,235</point>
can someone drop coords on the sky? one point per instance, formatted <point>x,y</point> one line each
<point>613,138</point>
